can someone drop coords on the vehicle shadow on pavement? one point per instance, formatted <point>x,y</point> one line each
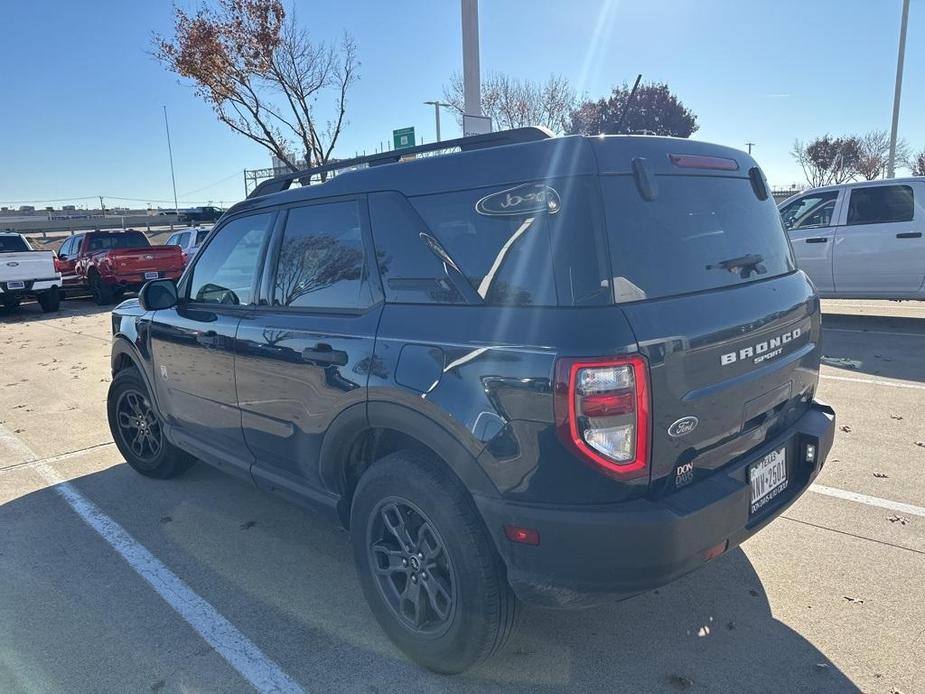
<point>30,311</point>
<point>286,579</point>
<point>885,346</point>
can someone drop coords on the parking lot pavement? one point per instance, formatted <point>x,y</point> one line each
<point>112,582</point>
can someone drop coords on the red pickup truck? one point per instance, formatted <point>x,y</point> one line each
<point>108,263</point>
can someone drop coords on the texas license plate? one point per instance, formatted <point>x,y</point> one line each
<point>15,285</point>
<point>768,478</point>
<point>151,275</point>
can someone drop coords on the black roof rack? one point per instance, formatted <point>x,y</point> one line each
<point>278,184</point>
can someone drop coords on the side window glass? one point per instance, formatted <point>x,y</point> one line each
<point>64,249</point>
<point>321,258</point>
<point>172,241</point>
<point>881,204</point>
<point>820,217</point>
<point>795,213</point>
<point>225,270</point>
<point>411,271</point>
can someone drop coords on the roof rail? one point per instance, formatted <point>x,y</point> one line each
<point>278,184</point>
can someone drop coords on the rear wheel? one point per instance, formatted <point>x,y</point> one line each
<point>50,300</point>
<point>427,566</point>
<point>99,290</point>
<point>138,432</point>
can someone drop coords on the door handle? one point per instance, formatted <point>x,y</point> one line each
<point>324,354</point>
<point>817,239</point>
<point>909,235</point>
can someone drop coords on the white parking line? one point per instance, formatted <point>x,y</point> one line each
<point>878,306</point>
<point>874,381</point>
<point>240,652</point>
<point>872,332</point>
<point>897,506</point>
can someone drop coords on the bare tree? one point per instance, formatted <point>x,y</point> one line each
<point>515,103</point>
<point>827,160</point>
<point>263,75</point>
<point>875,152</point>
<point>916,162</point>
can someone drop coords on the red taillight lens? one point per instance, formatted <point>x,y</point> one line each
<point>602,412</point>
<point>699,161</point>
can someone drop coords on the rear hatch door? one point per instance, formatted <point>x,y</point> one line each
<point>149,259</point>
<point>707,280</point>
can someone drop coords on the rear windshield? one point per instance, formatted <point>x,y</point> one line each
<point>700,232</point>
<point>100,243</point>
<point>13,244</point>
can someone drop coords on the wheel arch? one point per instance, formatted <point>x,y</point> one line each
<point>366,432</point>
<point>125,356</point>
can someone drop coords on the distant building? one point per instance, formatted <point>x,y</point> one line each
<point>26,208</point>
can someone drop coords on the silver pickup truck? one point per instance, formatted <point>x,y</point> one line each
<point>26,272</point>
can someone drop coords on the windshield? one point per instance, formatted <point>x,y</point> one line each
<point>701,232</point>
<point>13,244</point>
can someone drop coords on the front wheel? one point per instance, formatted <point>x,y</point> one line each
<point>427,566</point>
<point>138,432</point>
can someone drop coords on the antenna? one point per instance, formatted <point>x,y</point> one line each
<point>629,101</point>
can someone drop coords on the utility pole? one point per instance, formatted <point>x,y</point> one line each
<point>471,74</point>
<point>102,209</point>
<point>750,145</point>
<point>891,162</point>
<point>437,104</point>
<point>173,180</point>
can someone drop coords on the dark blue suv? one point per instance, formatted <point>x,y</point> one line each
<point>554,370</point>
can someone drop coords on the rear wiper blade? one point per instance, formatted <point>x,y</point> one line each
<point>743,262</point>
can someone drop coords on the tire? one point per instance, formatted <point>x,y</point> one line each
<point>152,455</point>
<point>100,291</point>
<point>50,300</point>
<point>468,585</point>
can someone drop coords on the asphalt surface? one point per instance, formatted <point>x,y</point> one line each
<point>110,582</point>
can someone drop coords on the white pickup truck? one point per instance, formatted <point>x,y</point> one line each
<point>862,240</point>
<point>27,272</point>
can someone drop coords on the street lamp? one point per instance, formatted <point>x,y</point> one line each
<point>891,162</point>
<point>437,104</point>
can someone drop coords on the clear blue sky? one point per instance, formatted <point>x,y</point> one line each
<point>81,95</point>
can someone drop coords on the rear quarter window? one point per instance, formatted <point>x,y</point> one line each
<point>515,253</point>
<point>700,233</point>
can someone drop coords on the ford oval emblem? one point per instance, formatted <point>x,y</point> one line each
<point>683,426</point>
<point>12,263</point>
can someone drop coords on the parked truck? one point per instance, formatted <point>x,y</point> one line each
<point>110,263</point>
<point>25,272</point>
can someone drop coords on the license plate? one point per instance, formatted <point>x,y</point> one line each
<point>151,275</point>
<point>15,285</point>
<point>768,478</point>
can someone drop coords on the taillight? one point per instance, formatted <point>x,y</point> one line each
<point>602,413</point>
<point>700,161</point>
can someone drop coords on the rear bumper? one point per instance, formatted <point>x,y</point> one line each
<point>31,287</point>
<point>587,555</point>
<point>137,280</point>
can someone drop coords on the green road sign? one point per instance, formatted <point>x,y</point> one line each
<point>403,138</point>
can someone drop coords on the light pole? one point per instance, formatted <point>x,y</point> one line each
<point>891,163</point>
<point>749,145</point>
<point>173,180</point>
<point>470,40</point>
<point>437,104</point>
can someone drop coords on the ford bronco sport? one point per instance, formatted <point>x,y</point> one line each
<point>549,370</point>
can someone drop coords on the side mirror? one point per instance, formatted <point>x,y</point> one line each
<point>157,295</point>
